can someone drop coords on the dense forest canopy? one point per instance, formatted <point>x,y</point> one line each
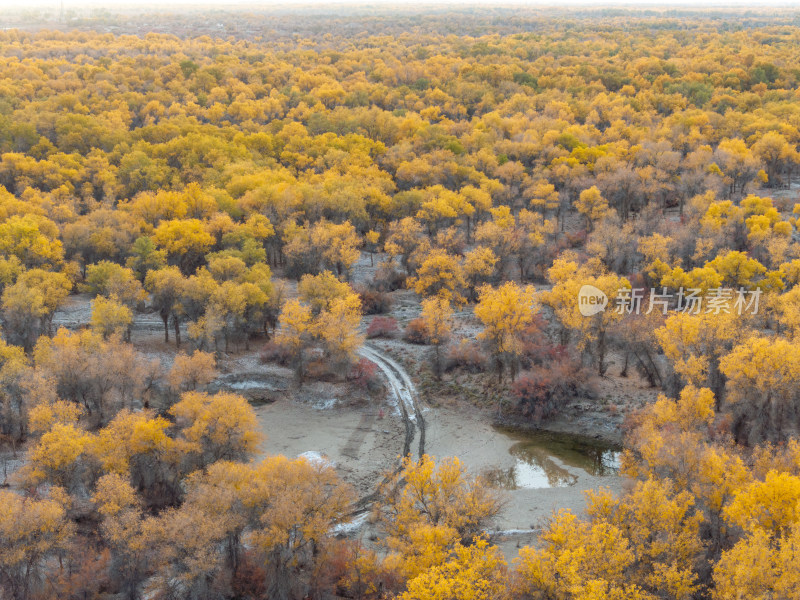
<point>225,171</point>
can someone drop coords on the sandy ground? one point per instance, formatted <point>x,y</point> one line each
<point>361,444</point>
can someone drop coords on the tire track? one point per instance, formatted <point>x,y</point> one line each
<point>352,446</point>
<point>405,394</point>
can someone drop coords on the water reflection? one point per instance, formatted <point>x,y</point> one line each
<point>535,466</point>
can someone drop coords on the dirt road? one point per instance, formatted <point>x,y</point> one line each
<point>405,397</point>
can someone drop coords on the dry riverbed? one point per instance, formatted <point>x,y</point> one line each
<point>362,442</point>
<point>364,436</point>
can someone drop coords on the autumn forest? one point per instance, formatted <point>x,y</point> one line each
<point>272,284</point>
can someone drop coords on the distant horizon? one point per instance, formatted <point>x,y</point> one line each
<point>114,5</point>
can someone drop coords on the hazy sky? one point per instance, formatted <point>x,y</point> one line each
<point>111,4</point>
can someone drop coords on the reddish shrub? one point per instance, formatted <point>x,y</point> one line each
<point>466,355</point>
<point>638,280</point>
<point>251,576</point>
<point>546,390</point>
<point>383,327</point>
<point>322,369</point>
<point>577,239</point>
<point>537,349</point>
<point>353,571</point>
<point>332,566</point>
<point>416,332</point>
<point>374,302</point>
<point>364,374</point>
<point>87,577</point>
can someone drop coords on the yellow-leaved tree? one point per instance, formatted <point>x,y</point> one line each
<point>110,317</point>
<point>438,319</point>
<point>440,274</point>
<point>759,567</point>
<point>763,387</point>
<point>31,532</point>
<point>337,328</point>
<point>474,572</point>
<point>28,306</point>
<point>293,504</point>
<point>505,312</point>
<point>568,278</point>
<point>438,507</point>
<point>644,545</point>
<point>133,538</point>
<point>763,563</point>
<point>296,329</point>
<point>592,206</point>
<point>577,560</point>
<point>221,426</point>
<point>695,345</point>
<point>191,372</point>
<point>328,311</point>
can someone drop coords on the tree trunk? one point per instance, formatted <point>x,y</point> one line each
<point>278,584</point>
<point>177,325</point>
<point>601,352</point>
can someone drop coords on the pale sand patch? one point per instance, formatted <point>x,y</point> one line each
<point>361,444</point>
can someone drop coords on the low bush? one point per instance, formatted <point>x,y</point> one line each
<point>364,374</point>
<point>544,391</point>
<point>273,352</point>
<point>374,302</point>
<point>383,327</point>
<point>320,368</point>
<point>577,239</point>
<point>537,349</point>
<point>388,279</point>
<point>416,332</point>
<point>466,355</point>
<point>250,578</point>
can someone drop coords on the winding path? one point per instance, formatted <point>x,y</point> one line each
<point>405,395</point>
<point>406,398</point>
